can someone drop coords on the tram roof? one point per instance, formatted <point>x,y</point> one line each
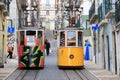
<point>72,28</point>
<point>30,28</point>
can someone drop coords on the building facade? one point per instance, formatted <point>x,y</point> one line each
<point>4,8</point>
<point>116,34</point>
<point>47,14</point>
<point>106,40</point>
<point>13,22</point>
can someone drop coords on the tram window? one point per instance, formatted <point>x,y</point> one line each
<point>40,38</point>
<point>30,33</point>
<point>71,38</point>
<point>79,38</point>
<point>21,42</point>
<point>30,40</point>
<point>22,33</point>
<point>62,39</point>
<point>30,37</point>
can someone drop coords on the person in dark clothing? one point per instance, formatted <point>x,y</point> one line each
<point>47,47</point>
<point>10,51</point>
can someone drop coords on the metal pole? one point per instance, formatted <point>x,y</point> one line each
<point>10,22</point>
<point>87,23</point>
<point>69,11</point>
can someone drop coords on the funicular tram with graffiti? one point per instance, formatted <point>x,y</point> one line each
<point>30,47</point>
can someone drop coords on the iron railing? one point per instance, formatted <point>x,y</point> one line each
<point>108,6</point>
<point>92,10</point>
<point>100,13</point>
<point>7,3</point>
<point>117,11</point>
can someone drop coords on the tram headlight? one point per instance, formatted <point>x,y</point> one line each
<point>71,56</point>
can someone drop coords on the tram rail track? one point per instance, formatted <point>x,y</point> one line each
<point>34,74</point>
<point>22,74</point>
<point>80,75</point>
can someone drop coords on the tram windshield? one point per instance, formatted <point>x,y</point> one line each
<point>40,38</point>
<point>30,37</point>
<point>71,38</point>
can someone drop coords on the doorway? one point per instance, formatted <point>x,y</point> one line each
<point>114,51</point>
<point>108,51</point>
<point>103,53</point>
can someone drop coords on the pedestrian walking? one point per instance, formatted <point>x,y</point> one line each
<point>47,46</point>
<point>10,51</point>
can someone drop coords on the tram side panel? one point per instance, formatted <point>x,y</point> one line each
<point>70,57</point>
<point>29,56</point>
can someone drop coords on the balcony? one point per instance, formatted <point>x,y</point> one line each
<point>103,22</point>
<point>34,3</point>
<point>2,4</point>
<point>101,18</point>
<point>109,9</point>
<point>117,12</point>
<point>78,2</point>
<point>24,4</point>
<point>93,15</point>
<point>5,13</point>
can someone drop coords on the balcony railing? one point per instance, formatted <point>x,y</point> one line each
<point>7,4</point>
<point>108,6</point>
<point>93,12</point>
<point>117,11</point>
<point>109,9</point>
<point>100,13</point>
<point>101,17</point>
<point>24,4</point>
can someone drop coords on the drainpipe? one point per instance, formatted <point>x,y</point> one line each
<point>87,21</point>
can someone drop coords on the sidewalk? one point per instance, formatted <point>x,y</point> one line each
<point>101,74</point>
<point>9,67</point>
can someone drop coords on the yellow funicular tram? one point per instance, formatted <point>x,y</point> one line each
<point>70,51</point>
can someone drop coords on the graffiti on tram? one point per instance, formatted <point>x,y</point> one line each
<point>31,57</point>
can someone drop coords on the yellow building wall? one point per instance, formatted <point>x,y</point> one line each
<point>3,37</point>
<point>1,33</point>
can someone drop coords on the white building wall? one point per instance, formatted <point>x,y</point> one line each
<point>107,51</point>
<point>51,16</point>
<point>13,14</point>
<point>118,50</point>
<point>109,57</point>
<point>86,6</point>
<point>52,25</point>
